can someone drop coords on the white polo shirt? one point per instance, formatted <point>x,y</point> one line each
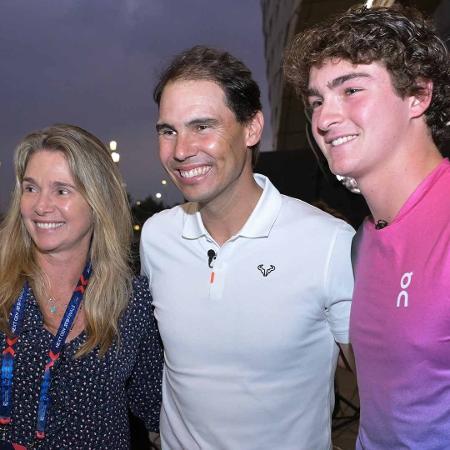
<point>250,351</point>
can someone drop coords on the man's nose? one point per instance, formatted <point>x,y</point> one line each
<point>329,114</point>
<point>185,147</point>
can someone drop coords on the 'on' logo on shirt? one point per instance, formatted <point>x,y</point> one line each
<point>402,297</point>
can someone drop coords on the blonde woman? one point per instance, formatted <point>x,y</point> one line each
<point>80,344</point>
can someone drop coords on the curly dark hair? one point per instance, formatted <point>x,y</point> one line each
<point>400,38</point>
<point>242,93</point>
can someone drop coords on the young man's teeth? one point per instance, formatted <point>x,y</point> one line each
<point>49,225</point>
<point>342,140</point>
<point>194,172</point>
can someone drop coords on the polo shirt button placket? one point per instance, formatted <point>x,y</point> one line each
<point>217,278</point>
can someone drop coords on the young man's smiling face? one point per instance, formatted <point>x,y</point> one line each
<point>358,119</point>
<point>202,146</point>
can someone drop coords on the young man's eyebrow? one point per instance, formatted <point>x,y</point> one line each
<point>312,92</point>
<point>349,76</point>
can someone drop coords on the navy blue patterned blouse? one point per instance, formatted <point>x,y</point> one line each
<point>89,395</point>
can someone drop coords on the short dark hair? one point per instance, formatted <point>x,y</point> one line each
<point>400,38</point>
<point>242,94</point>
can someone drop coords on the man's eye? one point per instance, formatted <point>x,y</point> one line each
<point>314,104</point>
<point>63,191</point>
<point>202,127</point>
<point>351,91</point>
<point>166,132</point>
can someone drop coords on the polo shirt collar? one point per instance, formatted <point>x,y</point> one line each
<point>258,224</point>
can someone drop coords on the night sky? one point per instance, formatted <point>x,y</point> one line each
<point>94,63</point>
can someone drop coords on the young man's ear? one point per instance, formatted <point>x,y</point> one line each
<point>254,129</point>
<point>421,101</point>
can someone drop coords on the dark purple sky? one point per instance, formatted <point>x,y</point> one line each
<point>94,63</point>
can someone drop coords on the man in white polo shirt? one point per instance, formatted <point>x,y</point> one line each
<point>251,288</point>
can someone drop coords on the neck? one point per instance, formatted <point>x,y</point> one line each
<point>226,216</point>
<point>62,272</point>
<point>387,191</point>
<point>62,275</point>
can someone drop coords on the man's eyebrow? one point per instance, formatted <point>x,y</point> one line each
<point>163,126</point>
<point>312,92</point>
<point>349,76</point>
<point>202,121</point>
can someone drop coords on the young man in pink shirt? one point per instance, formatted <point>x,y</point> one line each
<point>376,84</point>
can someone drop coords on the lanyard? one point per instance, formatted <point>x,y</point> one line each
<point>7,369</point>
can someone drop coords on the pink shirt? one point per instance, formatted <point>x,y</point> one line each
<point>400,323</point>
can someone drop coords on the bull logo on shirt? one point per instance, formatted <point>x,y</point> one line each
<point>265,271</point>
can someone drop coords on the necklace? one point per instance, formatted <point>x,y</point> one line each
<point>8,355</point>
<point>52,305</point>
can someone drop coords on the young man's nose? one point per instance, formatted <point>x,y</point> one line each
<point>329,113</point>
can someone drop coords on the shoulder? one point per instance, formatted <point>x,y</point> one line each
<point>302,216</point>
<point>139,286</point>
<point>166,217</point>
<point>140,303</point>
<point>166,222</point>
<point>138,321</point>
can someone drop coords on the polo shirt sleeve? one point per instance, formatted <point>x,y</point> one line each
<point>339,283</point>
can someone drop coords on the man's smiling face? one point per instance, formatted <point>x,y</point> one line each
<point>358,119</point>
<point>201,144</point>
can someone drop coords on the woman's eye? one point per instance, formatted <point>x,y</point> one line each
<point>62,190</point>
<point>28,188</point>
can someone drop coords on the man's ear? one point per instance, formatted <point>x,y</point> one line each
<point>421,101</point>
<point>254,129</point>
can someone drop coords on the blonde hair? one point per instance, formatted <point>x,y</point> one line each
<point>99,182</point>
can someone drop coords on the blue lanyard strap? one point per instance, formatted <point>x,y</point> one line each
<point>16,323</point>
<point>56,347</point>
<point>8,354</point>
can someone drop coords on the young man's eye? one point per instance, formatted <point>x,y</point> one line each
<point>351,91</point>
<point>314,104</point>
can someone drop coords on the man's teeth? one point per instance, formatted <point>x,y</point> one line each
<point>342,140</point>
<point>49,225</point>
<point>194,172</point>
